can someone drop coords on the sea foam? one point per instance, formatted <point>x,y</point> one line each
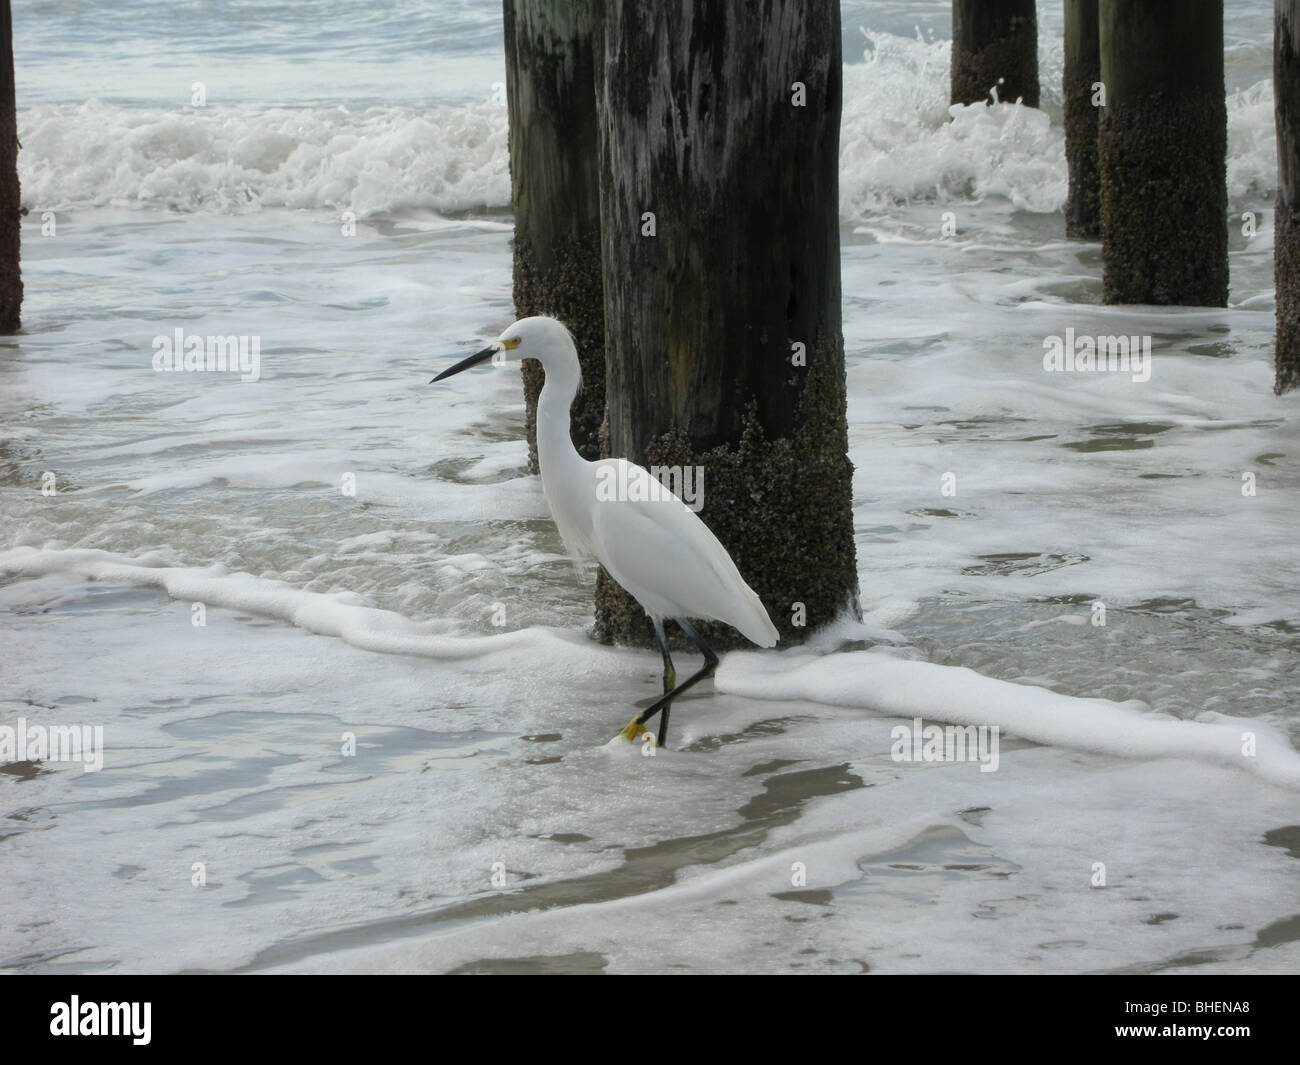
<point>900,141</point>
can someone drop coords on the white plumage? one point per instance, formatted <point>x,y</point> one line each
<point>644,535</point>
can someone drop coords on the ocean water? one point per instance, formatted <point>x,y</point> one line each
<point>386,745</point>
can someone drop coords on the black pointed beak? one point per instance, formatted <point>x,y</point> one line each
<point>465,364</point>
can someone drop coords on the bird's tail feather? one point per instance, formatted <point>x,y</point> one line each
<point>755,624</point>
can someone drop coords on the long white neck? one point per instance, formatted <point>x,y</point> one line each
<point>555,450</point>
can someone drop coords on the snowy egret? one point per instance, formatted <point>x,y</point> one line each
<point>645,536</point>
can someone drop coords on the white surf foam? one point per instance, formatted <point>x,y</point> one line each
<point>883,681</point>
<point>900,141</point>
<point>337,614</point>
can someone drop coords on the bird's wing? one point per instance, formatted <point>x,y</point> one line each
<point>659,550</point>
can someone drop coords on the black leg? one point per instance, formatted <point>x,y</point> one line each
<point>710,664</point>
<point>670,680</point>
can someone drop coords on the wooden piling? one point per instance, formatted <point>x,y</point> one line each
<point>994,45</point>
<point>1286,226</point>
<point>1162,149</point>
<point>11,278</point>
<point>720,224</point>
<point>555,193</point>
<point>1082,113</point>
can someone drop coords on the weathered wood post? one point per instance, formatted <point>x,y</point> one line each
<point>720,227</point>
<point>1286,230</point>
<point>1162,147</point>
<point>1082,112</point>
<point>555,192</point>
<point>994,45</point>
<point>11,278</point>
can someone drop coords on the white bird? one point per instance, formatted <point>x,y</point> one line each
<point>646,537</point>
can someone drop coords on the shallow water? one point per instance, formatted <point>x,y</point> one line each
<point>481,824</point>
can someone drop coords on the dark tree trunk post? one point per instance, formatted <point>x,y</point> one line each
<point>994,44</point>
<point>724,346</point>
<point>11,278</point>
<point>1162,146</point>
<point>551,93</point>
<point>1286,231</point>
<point>1082,72</point>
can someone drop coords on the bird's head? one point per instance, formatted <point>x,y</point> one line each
<point>545,339</point>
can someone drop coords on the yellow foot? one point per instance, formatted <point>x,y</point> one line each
<point>634,730</point>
